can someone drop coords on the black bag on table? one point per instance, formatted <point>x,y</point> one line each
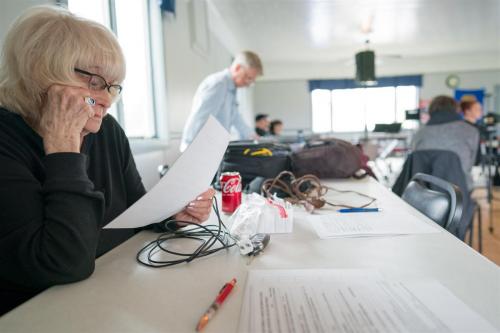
<point>332,158</point>
<point>253,160</point>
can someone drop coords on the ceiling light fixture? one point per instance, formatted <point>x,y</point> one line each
<point>365,67</point>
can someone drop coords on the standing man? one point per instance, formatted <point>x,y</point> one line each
<point>216,96</point>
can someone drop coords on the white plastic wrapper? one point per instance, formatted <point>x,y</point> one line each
<point>260,215</point>
<point>245,220</point>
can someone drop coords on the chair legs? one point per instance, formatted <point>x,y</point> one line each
<point>471,230</point>
<point>479,229</point>
<point>477,209</point>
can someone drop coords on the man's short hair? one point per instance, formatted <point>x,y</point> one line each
<point>260,116</point>
<point>249,59</point>
<point>443,103</point>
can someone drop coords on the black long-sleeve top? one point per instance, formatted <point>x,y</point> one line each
<point>53,207</point>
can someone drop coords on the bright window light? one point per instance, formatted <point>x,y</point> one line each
<point>407,100</point>
<point>349,110</point>
<point>95,10</point>
<point>322,115</point>
<point>137,95</point>
<point>136,108</point>
<point>380,105</point>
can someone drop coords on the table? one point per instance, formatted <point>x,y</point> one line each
<point>123,296</point>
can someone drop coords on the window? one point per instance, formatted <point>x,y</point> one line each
<point>350,110</point>
<point>132,22</point>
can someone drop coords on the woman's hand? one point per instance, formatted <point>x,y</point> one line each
<point>198,210</point>
<point>64,116</point>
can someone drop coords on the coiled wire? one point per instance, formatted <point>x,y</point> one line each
<point>212,238</point>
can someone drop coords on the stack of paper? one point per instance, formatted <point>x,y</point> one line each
<point>351,301</point>
<point>382,223</point>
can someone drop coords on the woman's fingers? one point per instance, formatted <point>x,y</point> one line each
<point>207,195</point>
<point>198,210</point>
<point>65,114</point>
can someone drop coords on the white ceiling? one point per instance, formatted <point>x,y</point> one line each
<point>425,33</point>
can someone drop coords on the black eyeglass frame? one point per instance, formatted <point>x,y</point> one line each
<point>107,86</point>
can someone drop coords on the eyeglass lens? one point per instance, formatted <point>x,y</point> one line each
<point>98,83</point>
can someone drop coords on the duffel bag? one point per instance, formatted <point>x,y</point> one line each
<point>253,160</point>
<point>332,158</point>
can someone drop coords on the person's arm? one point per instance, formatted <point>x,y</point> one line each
<point>49,231</point>
<point>241,126</point>
<point>50,228</point>
<point>208,101</point>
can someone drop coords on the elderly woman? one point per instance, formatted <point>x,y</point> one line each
<point>66,169</point>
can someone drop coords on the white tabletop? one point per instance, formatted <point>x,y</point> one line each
<point>124,296</point>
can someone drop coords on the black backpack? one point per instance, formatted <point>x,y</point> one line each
<point>253,160</point>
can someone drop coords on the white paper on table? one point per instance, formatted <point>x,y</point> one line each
<point>328,300</point>
<point>384,223</point>
<point>190,175</point>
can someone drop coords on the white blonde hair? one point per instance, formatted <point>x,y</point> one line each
<point>249,59</point>
<point>43,47</point>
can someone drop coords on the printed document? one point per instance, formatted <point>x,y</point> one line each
<point>190,176</point>
<point>326,300</point>
<point>382,223</point>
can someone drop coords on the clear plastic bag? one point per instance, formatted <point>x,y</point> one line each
<point>245,220</point>
<point>258,214</point>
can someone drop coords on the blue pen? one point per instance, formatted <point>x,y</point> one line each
<point>358,210</point>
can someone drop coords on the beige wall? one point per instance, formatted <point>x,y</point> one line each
<point>188,62</point>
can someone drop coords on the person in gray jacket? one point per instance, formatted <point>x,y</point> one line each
<point>447,131</point>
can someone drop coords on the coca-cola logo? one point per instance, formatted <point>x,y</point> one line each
<point>232,185</point>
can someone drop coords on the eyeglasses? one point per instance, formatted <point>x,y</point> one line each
<point>249,77</point>
<point>97,82</point>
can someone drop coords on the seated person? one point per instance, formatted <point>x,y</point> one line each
<point>66,169</point>
<point>276,127</point>
<point>445,130</point>
<point>472,112</point>
<point>262,124</point>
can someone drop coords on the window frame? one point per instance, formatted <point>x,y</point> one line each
<point>332,111</point>
<point>156,75</point>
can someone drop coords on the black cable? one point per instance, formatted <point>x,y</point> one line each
<point>208,236</point>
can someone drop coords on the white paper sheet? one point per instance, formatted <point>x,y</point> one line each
<point>351,301</point>
<point>384,223</point>
<point>189,176</point>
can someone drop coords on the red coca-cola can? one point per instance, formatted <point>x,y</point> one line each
<point>230,183</point>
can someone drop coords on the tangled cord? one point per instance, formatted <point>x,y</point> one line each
<point>306,190</point>
<point>217,234</point>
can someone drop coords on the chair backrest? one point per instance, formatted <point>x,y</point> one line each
<point>438,199</point>
<point>443,164</point>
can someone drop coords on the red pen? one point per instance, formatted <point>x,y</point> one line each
<point>223,293</point>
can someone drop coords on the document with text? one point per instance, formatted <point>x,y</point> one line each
<point>326,300</point>
<point>382,223</point>
<point>189,176</point>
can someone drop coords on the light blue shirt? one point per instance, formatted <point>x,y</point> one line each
<point>215,96</point>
